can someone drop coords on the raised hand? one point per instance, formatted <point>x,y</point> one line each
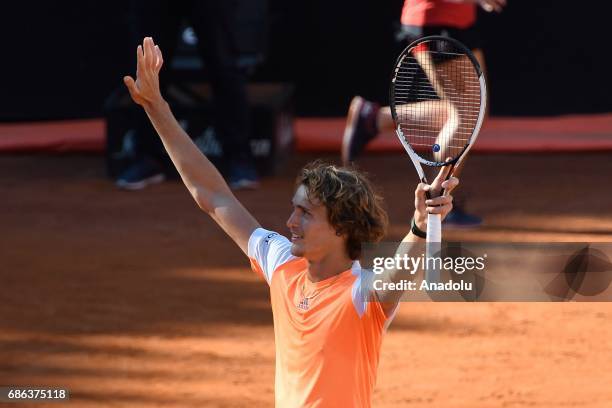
<point>145,89</point>
<point>438,204</point>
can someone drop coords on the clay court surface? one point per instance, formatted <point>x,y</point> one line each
<point>139,300</point>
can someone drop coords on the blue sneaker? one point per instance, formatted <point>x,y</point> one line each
<point>360,128</point>
<point>140,174</point>
<point>242,175</point>
<point>458,218</point>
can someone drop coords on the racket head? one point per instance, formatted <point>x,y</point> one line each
<point>437,99</point>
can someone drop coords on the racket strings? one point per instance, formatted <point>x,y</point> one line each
<point>437,99</point>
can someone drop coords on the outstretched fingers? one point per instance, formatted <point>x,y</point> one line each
<point>148,56</point>
<point>131,85</point>
<point>139,60</point>
<point>145,87</point>
<point>149,53</point>
<point>160,59</point>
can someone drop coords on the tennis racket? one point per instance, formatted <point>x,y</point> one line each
<point>437,99</point>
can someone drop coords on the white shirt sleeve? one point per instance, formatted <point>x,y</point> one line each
<point>269,250</point>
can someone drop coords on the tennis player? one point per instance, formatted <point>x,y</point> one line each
<point>327,333</point>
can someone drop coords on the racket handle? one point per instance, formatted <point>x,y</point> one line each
<point>434,228</point>
<point>432,247</point>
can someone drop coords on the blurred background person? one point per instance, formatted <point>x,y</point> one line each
<point>420,18</point>
<point>224,32</point>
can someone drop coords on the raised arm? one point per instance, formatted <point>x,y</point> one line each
<point>413,245</point>
<point>202,179</point>
<point>438,205</point>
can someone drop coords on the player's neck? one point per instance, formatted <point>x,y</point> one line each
<point>327,267</point>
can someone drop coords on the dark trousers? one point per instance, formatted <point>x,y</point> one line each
<point>214,22</point>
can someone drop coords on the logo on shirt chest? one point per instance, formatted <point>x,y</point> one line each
<point>303,305</point>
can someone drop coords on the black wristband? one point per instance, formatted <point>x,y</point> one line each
<point>416,230</point>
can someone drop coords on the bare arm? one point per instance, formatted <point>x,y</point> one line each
<point>202,179</point>
<point>411,244</point>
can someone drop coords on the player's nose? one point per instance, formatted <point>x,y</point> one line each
<point>292,220</point>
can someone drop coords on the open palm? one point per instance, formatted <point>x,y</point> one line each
<point>145,89</point>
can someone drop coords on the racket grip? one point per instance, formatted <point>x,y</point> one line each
<point>432,246</point>
<point>434,228</point>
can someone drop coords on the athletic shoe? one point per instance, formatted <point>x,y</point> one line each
<point>360,128</point>
<point>243,176</point>
<point>458,218</point>
<point>140,174</point>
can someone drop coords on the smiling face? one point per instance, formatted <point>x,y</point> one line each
<point>312,236</point>
<point>329,201</point>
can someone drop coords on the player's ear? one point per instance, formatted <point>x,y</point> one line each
<point>341,232</point>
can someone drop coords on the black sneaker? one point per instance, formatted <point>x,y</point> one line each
<point>458,218</point>
<point>140,174</point>
<point>360,128</point>
<point>242,175</point>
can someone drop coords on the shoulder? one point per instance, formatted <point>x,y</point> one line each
<point>268,250</point>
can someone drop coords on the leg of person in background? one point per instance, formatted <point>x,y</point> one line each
<point>366,120</point>
<point>214,24</point>
<point>481,60</point>
<point>458,217</point>
<point>361,127</point>
<point>161,20</point>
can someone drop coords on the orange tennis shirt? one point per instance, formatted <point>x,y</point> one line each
<point>327,346</point>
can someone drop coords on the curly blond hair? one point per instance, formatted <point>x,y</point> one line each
<point>353,207</point>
